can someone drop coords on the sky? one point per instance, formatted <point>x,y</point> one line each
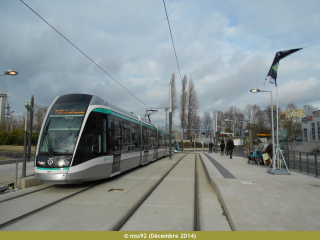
<point>226,47</point>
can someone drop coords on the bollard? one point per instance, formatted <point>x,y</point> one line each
<point>300,160</point>
<point>16,174</point>
<point>315,159</point>
<point>308,163</point>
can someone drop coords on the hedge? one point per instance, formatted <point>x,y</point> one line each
<point>16,137</point>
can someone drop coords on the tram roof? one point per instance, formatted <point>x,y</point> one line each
<point>96,100</point>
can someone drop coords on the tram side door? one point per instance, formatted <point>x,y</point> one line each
<point>146,147</point>
<point>155,144</point>
<point>117,147</point>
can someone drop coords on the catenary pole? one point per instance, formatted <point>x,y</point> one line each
<point>30,130</point>
<point>273,142</point>
<point>278,147</point>
<point>170,122</point>
<point>24,165</point>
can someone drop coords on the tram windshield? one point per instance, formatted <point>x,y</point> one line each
<point>62,127</point>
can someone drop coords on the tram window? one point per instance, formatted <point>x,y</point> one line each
<point>150,134</point>
<point>145,132</point>
<point>161,140</point>
<point>93,139</point>
<point>155,139</point>
<point>110,135</point>
<point>135,136</point>
<point>117,135</point>
<point>126,128</point>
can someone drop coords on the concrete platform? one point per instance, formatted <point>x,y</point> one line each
<point>171,206</point>
<point>97,209</point>
<point>27,182</point>
<point>258,201</point>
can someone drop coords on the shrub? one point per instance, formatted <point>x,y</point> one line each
<point>316,150</point>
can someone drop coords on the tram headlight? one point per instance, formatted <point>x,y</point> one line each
<point>63,163</point>
<point>41,163</point>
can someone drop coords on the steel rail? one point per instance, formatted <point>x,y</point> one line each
<point>132,211</point>
<point>46,206</point>
<point>196,197</point>
<point>26,194</point>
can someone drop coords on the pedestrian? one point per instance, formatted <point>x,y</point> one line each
<point>210,147</point>
<point>269,150</point>
<point>222,146</point>
<point>227,152</point>
<point>230,146</point>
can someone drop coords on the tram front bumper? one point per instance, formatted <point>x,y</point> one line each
<point>54,178</point>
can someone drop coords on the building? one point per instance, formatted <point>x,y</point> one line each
<point>310,126</point>
<point>294,115</point>
<point>291,119</point>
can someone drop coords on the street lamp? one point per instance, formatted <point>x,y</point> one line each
<point>232,126</point>
<point>9,72</point>
<point>24,166</point>
<point>255,90</point>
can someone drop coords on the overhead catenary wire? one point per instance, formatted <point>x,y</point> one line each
<point>165,8</point>
<point>86,55</point>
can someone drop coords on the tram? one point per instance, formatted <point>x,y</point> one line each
<point>85,138</point>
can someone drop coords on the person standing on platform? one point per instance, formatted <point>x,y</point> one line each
<point>230,146</point>
<point>227,152</point>
<point>210,147</point>
<point>222,146</point>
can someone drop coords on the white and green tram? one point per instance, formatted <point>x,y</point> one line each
<point>85,138</point>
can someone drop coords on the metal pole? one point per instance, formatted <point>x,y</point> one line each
<point>216,130</point>
<point>30,130</point>
<point>202,144</point>
<point>273,143</point>
<point>250,138</point>
<point>24,166</point>
<point>316,165</point>
<point>232,128</point>
<point>11,119</point>
<point>182,139</point>
<point>170,123</point>
<point>16,174</point>
<point>278,156</point>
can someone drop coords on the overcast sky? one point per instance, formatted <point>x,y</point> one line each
<point>226,47</point>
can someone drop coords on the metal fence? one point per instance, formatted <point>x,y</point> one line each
<point>239,150</point>
<point>9,172</point>
<point>306,162</point>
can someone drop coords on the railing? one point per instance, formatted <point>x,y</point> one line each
<point>9,172</point>
<point>305,162</point>
<point>239,150</point>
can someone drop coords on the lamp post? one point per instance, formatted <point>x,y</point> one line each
<point>170,122</point>
<point>24,166</point>
<point>255,90</point>
<point>9,72</point>
<point>227,120</point>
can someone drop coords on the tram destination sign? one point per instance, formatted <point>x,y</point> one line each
<point>67,112</point>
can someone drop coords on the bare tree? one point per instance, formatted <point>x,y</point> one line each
<point>308,110</point>
<point>196,123</point>
<point>173,94</point>
<point>192,106</point>
<point>39,115</point>
<point>291,106</point>
<point>268,116</point>
<point>206,121</point>
<point>183,102</point>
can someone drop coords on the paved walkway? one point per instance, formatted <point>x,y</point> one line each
<point>257,201</point>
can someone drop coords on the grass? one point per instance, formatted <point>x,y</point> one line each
<point>8,151</point>
<point>14,149</point>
